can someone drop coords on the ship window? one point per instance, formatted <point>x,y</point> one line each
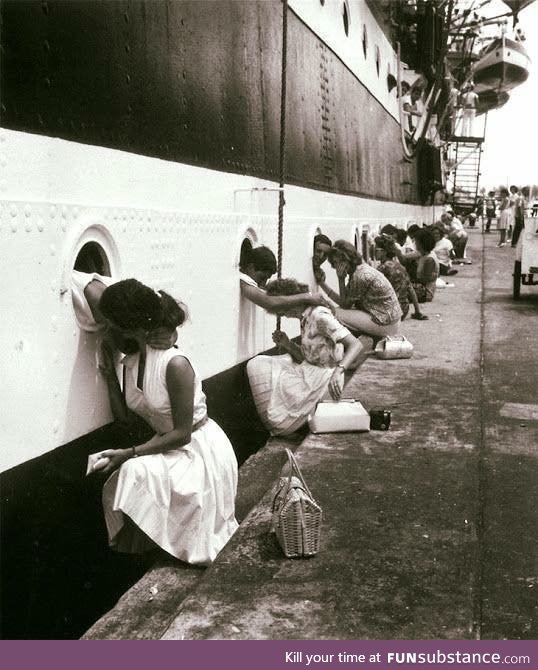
<point>357,240</point>
<point>377,60</point>
<point>92,258</point>
<point>364,245</point>
<point>364,40</point>
<point>391,80</point>
<point>246,248</point>
<point>345,18</point>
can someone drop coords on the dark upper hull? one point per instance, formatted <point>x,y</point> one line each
<point>199,83</point>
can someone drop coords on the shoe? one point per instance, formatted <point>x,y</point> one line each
<point>419,317</point>
<point>501,244</point>
<point>452,272</point>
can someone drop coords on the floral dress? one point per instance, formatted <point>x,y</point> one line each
<point>285,392</point>
<point>400,282</point>
<point>370,291</point>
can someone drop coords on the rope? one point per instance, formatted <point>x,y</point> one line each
<point>282,156</point>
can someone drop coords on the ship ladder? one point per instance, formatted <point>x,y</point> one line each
<point>467,153</point>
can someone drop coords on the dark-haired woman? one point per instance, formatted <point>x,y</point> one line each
<point>427,266</point>
<point>386,254</point>
<point>86,291</point>
<point>368,302</point>
<point>178,488</point>
<point>287,388</point>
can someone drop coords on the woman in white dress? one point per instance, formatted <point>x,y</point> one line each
<point>178,488</point>
<point>287,388</point>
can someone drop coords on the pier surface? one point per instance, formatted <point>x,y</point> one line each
<point>429,529</point>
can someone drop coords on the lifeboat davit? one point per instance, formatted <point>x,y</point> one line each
<point>503,65</point>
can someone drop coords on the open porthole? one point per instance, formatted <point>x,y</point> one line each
<point>246,248</point>
<point>345,17</point>
<point>92,258</point>
<point>90,250</point>
<point>364,244</point>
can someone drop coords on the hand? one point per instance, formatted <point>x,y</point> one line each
<point>117,459</point>
<point>162,338</point>
<point>336,384</point>
<point>280,338</point>
<point>341,269</point>
<point>319,275</point>
<point>318,299</point>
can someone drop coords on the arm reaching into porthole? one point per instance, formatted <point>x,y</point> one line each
<point>258,267</point>
<point>87,289</point>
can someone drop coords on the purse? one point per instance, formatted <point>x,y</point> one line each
<point>296,518</point>
<point>394,346</point>
<point>345,415</point>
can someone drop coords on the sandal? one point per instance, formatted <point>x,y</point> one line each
<point>419,317</point>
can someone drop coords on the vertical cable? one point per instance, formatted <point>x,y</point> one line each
<point>282,156</point>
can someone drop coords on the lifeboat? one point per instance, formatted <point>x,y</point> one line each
<point>503,65</point>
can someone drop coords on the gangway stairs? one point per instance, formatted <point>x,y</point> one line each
<point>465,154</point>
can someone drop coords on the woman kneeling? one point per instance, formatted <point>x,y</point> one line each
<point>177,489</point>
<point>287,388</point>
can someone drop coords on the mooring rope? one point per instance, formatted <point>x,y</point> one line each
<point>282,156</point>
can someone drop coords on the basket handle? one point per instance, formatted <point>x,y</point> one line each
<point>295,469</point>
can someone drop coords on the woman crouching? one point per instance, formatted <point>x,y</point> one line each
<point>287,388</point>
<point>177,489</point>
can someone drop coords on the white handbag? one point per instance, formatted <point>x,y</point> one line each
<point>346,415</point>
<point>394,346</point>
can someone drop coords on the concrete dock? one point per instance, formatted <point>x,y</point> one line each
<point>429,529</point>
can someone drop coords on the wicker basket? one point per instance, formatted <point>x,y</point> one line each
<point>296,515</point>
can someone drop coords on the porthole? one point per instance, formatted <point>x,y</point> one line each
<point>391,80</point>
<point>364,245</point>
<point>246,248</point>
<point>92,258</point>
<point>377,60</point>
<point>364,40</point>
<point>345,17</point>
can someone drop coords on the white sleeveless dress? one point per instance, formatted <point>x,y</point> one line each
<point>183,499</point>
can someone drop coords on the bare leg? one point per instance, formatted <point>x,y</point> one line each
<point>412,295</point>
<point>361,322</point>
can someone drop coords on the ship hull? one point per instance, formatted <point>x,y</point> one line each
<point>155,133</point>
<point>152,131</point>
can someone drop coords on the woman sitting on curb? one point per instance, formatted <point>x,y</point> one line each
<point>444,250</point>
<point>368,303</point>
<point>287,388</point>
<point>397,276</point>
<point>427,266</point>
